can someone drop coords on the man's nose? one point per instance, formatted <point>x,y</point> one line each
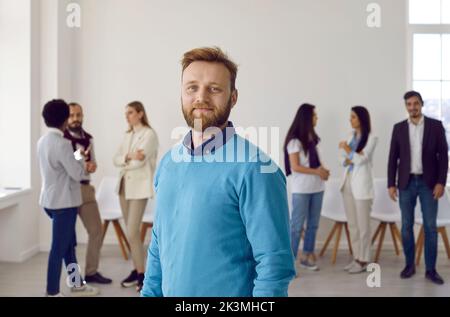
<point>202,96</point>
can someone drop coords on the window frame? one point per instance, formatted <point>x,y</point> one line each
<point>408,4</point>
<point>413,29</point>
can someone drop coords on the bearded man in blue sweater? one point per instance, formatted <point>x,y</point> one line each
<point>222,221</point>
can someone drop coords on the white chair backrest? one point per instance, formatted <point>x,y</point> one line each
<point>444,206</point>
<point>333,206</point>
<point>107,198</point>
<point>149,213</point>
<point>383,204</point>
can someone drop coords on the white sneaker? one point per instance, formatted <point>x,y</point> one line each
<point>297,269</point>
<point>84,291</point>
<point>357,268</point>
<point>309,265</point>
<point>350,265</point>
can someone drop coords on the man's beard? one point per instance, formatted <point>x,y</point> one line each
<point>414,114</point>
<point>217,117</point>
<point>76,129</point>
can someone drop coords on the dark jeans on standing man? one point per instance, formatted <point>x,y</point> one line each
<point>63,246</point>
<point>408,199</point>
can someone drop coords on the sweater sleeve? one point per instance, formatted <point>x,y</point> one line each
<point>264,210</point>
<point>153,274</point>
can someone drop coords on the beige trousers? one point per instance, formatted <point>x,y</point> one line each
<point>358,218</point>
<point>90,217</point>
<point>133,212</point>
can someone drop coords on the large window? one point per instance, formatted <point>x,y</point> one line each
<point>15,96</point>
<point>429,11</point>
<point>431,72</point>
<point>429,38</point>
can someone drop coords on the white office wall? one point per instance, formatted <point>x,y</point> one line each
<point>289,52</point>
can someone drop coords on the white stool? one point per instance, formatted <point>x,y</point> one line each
<point>443,220</point>
<point>108,203</point>
<point>147,220</point>
<point>333,208</point>
<point>387,212</point>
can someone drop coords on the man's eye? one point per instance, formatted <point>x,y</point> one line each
<point>191,88</point>
<point>215,89</point>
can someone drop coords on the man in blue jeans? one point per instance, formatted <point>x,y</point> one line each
<point>419,153</point>
<point>60,197</point>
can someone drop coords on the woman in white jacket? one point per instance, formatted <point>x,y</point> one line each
<point>136,158</point>
<point>357,186</point>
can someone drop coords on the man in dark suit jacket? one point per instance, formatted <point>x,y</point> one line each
<point>419,153</point>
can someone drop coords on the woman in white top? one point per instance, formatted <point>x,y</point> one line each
<point>136,158</point>
<point>307,176</point>
<point>357,186</point>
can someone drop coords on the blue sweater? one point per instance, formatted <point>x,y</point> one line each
<point>221,228</point>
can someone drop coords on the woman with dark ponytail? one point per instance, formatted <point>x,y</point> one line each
<point>307,177</point>
<point>357,186</point>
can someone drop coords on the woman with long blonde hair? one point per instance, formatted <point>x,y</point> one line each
<point>136,158</point>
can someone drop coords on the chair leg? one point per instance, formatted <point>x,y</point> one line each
<point>377,232</point>
<point>124,237</point>
<point>336,245</point>
<point>419,245</point>
<point>144,227</point>
<point>105,227</point>
<point>143,230</point>
<point>120,237</point>
<point>443,233</point>
<point>397,233</point>
<point>349,241</point>
<point>394,238</point>
<point>330,236</point>
<point>380,241</point>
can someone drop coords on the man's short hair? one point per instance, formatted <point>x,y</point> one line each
<point>55,113</point>
<point>213,55</point>
<point>74,104</point>
<point>411,94</point>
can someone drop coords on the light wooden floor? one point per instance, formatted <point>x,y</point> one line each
<point>28,278</point>
<point>332,280</point>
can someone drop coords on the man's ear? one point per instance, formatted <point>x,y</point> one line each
<point>234,98</point>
